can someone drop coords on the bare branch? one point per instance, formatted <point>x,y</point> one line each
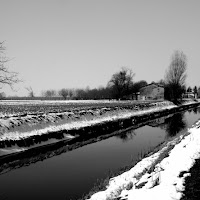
<point>30,90</point>
<point>176,73</point>
<point>122,82</point>
<point>7,77</point>
<point>175,76</point>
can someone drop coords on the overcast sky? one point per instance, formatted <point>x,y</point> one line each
<point>78,43</point>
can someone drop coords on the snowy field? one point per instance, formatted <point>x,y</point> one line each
<point>12,107</point>
<point>42,102</point>
<point>22,102</point>
<point>159,176</point>
<point>17,128</point>
<point>99,116</point>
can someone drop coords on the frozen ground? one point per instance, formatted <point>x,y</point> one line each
<point>159,176</point>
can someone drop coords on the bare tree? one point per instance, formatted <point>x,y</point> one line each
<point>64,93</point>
<point>30,90</point>
<point>189,89</point>
<point>121,83</point>
<point>49,93</point>
<point>2,95</point>
<point>70,93</point>
<point>198,92</point>
<point>137,85</point>
<point>195,91</point>
<point>6,77</point>
<point>175,76</point>
<point>161,82</point>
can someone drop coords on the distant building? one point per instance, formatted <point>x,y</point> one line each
<point>190,95</point>
<point>152,91</point>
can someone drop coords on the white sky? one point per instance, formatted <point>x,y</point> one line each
<point>78,43</point>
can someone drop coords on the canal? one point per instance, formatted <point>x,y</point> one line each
<point>72,174</point>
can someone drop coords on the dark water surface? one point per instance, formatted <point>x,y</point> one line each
<point>72,174</point>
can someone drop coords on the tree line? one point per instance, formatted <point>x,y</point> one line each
<point>121,83</point>
<point>120,86</point>
<point>114,90</point>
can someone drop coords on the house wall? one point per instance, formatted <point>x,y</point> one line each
<point>158,93</point>
<point>152,92</point>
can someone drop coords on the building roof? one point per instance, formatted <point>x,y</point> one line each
<point>156,84</point>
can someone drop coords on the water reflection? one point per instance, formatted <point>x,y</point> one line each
<point>189,111</point>
<point>175,124</point>
<point>126,136</point>
<point>159,122</point>
<point>172,124</point>
<point>196,110</point>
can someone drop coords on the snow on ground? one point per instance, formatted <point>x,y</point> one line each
<point>84,123</point>
<point>22,102</point>
<point>19,102</point>
<point>165,181</point>
<point>189,101</point>
<point>9,108</point>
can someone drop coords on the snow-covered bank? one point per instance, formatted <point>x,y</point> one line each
<point>20,113</point>
<point>159,176</point>
<point>79,124</point>
<point>82,123</point>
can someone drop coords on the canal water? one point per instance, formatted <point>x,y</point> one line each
<point>72,174</point>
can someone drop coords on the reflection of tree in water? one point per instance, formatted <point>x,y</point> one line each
<point>195,110</point>
<point>190,110</point>
<point>162,126</point>
<point>126,136</point>
<point>175,124</point>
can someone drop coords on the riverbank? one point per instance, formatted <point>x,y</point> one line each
<point>80,125</point>
<point>160,175</point>
<point>25,131</point>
